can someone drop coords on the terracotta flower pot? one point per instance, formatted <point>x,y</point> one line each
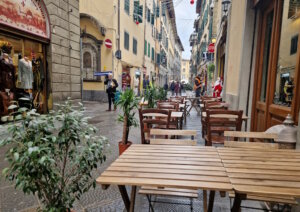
<point>123,147</point>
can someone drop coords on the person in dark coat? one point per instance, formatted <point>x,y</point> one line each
<point>172,87</point>
<point>111,88</point>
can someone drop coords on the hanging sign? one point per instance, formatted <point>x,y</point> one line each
<point>104,73</point>
<point>108,43</point>
<point>26,15</point>
<point>211,48</point>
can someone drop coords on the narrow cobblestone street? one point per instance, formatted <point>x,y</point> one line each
<point>98,200</point>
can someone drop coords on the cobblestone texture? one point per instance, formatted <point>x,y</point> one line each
<point>98,200</point>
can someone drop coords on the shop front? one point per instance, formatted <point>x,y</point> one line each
<point>277,77</point>
<point>24,35</point>
<point>39,55</point>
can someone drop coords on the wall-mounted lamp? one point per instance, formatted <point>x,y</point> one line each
<point>225,4</point>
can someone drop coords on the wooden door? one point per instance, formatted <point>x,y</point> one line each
<point>263,65</point>
<point>277,74</point>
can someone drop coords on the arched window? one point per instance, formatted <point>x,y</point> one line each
<point>87,60</point>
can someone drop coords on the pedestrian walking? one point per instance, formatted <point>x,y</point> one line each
<point>197,85</point>
<point>166,86</point>
<point>111,88</point>
<point>177,88</point>
<point>172,87</point>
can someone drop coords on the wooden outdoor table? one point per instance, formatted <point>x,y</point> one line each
<point>194,104</point>
<point>184,167</point>
<point>244,117</point>
<point>177,115</point>
<point>261,172</point>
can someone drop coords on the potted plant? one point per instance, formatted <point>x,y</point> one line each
<point>162,94</point>
<point>150,96</point>
<point>53,156</point>
<point>128,103</point>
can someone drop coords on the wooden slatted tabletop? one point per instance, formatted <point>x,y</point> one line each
<point>182,167</point>
<point>262,171</point>
<point>244,117</point>
<point>173,114</point>
<point>168,166</point>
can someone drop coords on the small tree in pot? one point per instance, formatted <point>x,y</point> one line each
<point>53,156</point>
<point>128,103</point>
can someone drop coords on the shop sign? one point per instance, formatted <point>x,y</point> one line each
<point>211,48</point>
<point>108,43</point>
<point>29,16</point>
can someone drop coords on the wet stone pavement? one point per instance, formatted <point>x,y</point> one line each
<point>98,200</point>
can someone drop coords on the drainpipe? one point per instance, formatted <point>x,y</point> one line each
<point>251,65</point>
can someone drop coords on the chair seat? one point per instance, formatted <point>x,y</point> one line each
<point>215,139</point>
<point>269,198</point>
<point>189,193</point>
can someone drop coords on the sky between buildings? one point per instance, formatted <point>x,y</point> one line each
<point>185,16</point>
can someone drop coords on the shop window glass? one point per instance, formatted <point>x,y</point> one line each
<point>87,60</point>
<point>266,56</point>
<point>287,57</point>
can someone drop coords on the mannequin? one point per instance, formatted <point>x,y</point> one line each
<point>25,75</point>
<point>7,83</point>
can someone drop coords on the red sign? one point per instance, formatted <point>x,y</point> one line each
<point>27,15</point>
<point>108,43</point>
<point>211,48</point>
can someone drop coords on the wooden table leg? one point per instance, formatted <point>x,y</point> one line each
<point>211,201</point>
<point>237,203</point>
<point>132,198</point>
<point>125,197</point>
<point>204,200</point>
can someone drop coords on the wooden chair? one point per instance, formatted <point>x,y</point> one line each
<point>270,200</point>
<point>210,106</point>
<point>186,193</point>
<point>219,121</point>
<point>262,136</point>
<point>171,106</point>
<point>168,134</point>
<point>153,118</point>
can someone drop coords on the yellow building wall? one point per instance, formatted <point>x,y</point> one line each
<point>234,42</point>
<point>106,15</point>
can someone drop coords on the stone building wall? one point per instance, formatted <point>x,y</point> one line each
<point>64,50</point>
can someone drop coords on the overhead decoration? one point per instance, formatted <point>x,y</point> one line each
<point>26,15</point>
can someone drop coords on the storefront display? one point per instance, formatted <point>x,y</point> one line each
<point>24,34</point>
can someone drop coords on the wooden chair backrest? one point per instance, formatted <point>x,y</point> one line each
<point>218,125</point>
<point>173,106</point>
<point>148,122</point>
<point>258,135</point>
<point>168,134</point>
<point>251,145</point>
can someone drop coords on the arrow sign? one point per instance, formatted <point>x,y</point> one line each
<point>99,74</point>
<point>108,43</point>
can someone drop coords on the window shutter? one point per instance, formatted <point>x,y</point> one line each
<point>148,49</point>
<point>152,19</point>
<point>157,11</point>
<point>127,6</point>
<point>145,50</point>
<point>152,55</point>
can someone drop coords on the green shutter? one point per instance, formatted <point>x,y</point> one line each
<point>145,50</point>
<point>134,46</point>
<point>152,56</point>
<point>148,49</point>
<point>126,40</point>
<point>148,15</point>
<point>152,19</point>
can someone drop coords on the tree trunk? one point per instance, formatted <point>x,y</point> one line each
<point>125,136</point>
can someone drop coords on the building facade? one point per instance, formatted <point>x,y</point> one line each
<point>185,71</point>
<point>261,66</point>
<point>40,49</point>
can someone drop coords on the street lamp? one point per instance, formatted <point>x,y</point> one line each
<point>225,4</point>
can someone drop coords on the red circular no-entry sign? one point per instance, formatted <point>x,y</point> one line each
<point>108,43</point>
<point>211,48</point>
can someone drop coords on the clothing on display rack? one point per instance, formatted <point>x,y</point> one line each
<point>7,73</point>
<point>25,75</point>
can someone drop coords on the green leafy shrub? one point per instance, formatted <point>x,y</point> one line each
<point>162,94</point>
<point>188,87</point>
<point>53,156</point>
<point>151,96</point>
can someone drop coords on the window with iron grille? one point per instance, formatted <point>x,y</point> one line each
<point>126,40</point>
<point>127,6</point>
